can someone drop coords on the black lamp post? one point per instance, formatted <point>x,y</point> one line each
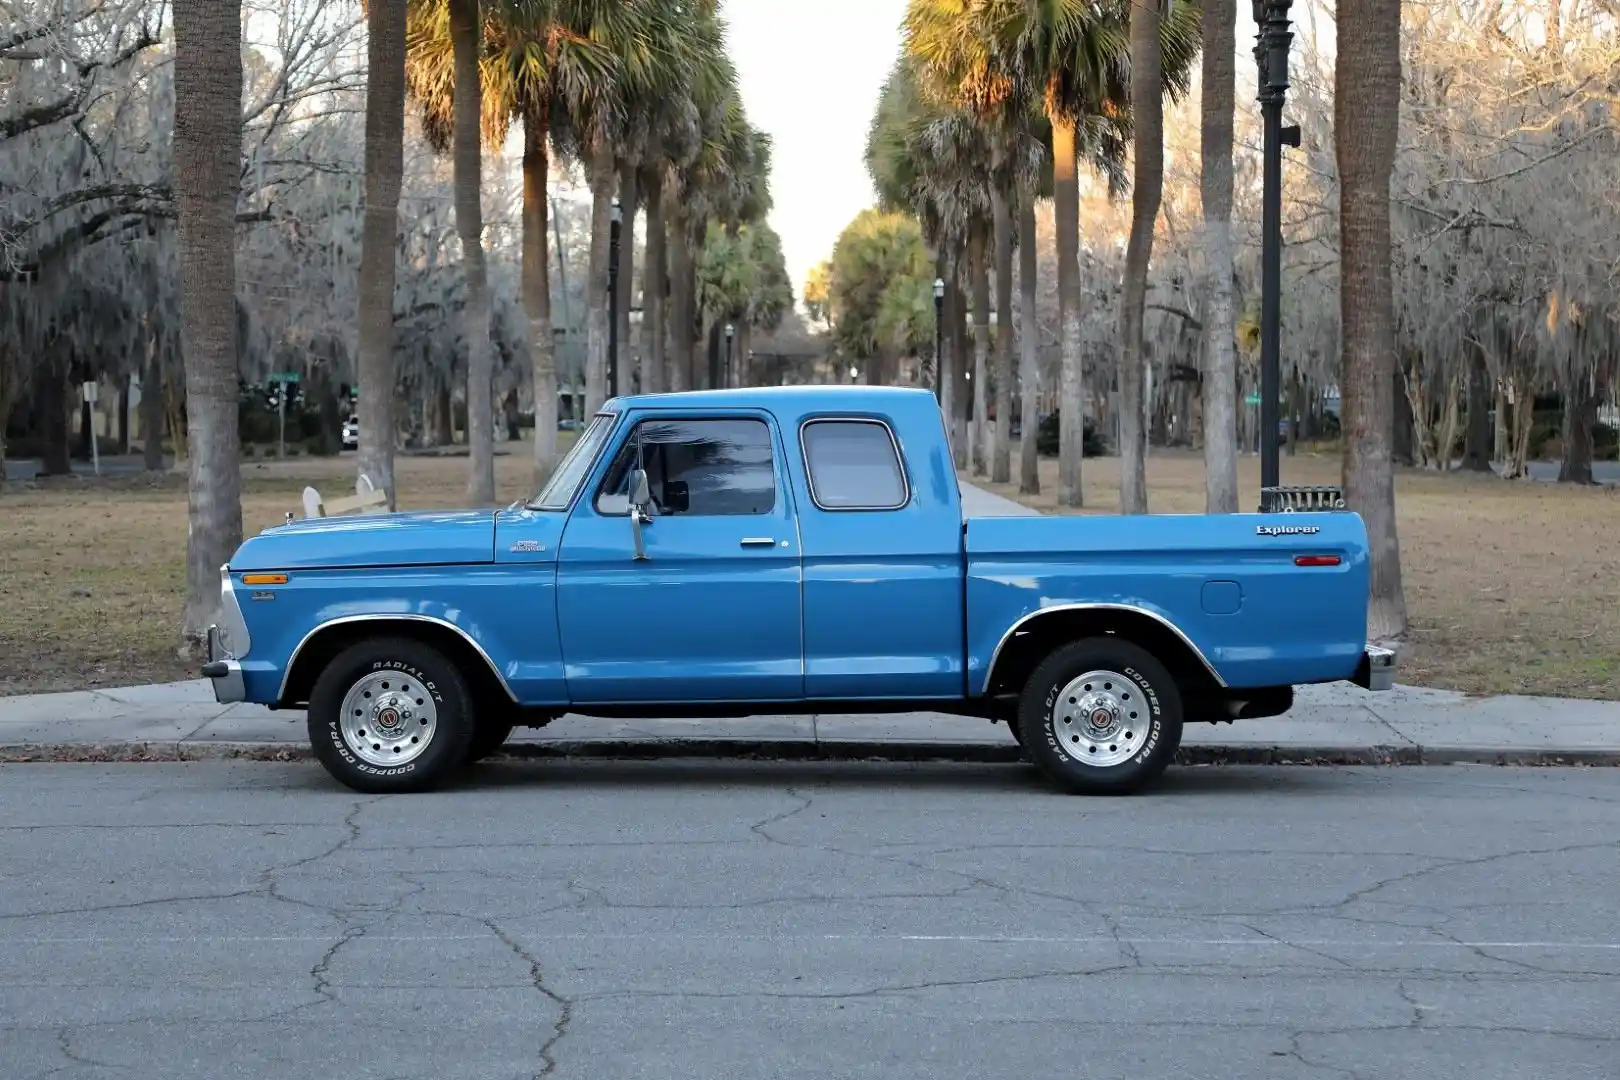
<point>939,332</point>
<point>731,333</point>
<point>613,301</point>
<point>1271,42</point>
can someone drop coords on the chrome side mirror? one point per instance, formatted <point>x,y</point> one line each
<point>640,503</point>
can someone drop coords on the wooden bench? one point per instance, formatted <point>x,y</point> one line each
<point>367,498</point>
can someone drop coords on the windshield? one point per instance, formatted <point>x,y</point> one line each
<point>559,491</point>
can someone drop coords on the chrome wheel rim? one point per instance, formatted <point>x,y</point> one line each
<point>1100,719</point>
<point>389,719</point>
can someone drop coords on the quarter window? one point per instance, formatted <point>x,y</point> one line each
<point>708,468</point>
<point>854,465</point>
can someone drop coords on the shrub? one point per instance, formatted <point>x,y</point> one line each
<point>1047,437</point>
<point>1605,443</point>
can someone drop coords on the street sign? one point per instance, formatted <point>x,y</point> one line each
<point>284,377</point>
<point>1252,399</point>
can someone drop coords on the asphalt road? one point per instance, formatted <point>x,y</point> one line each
<point>688,921</point>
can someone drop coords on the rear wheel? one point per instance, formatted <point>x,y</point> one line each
<point>1101,716</point>
<point>390,715</point>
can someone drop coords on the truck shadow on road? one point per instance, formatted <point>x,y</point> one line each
<point>1015,778</point>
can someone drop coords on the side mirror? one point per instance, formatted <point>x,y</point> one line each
<point>640,500</point>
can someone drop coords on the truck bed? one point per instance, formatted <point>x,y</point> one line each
<point>1228,584</point>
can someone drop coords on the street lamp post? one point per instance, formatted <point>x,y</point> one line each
<point>1271,43</point>
<point>939,332</point>
<point>731,333</point>
<point>613,301</point>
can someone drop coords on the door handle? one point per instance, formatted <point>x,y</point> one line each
<point>758,541</point>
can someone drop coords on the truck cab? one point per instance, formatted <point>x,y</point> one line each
<point>777,550</point>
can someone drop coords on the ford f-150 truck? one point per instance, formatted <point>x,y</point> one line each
<point>784,550</point>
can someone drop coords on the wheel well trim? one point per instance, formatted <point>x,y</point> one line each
<point>432,620</point>
<point>1134,609</point>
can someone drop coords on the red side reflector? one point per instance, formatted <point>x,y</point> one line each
<point>1316,560</point>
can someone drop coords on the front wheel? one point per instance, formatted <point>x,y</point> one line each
<point>1101,716</point>
<point>390,715</point>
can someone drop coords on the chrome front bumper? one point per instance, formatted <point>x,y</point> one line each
<point>224,671</point>
<point>1376,670</point>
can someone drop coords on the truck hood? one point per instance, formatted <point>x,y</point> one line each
<point>435,538</point>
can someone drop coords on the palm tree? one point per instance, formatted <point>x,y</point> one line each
<point>451,98</point>
<point>1220,319</point>
<point>926,159</point>
<point>1071,60</point>
<point>958,62</point>
<point>384,167</point>
<point>538,59</point>
<point>1147,189</point>
<point>207,180</point>
<point>1366,101</point>
<point>550,54</point>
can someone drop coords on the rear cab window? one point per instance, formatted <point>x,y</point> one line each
<point>854,463</point>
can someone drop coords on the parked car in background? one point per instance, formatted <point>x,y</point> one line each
<point>784,550</point>
<point>351,432</point>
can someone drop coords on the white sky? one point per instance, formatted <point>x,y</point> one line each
<point>810,73</point>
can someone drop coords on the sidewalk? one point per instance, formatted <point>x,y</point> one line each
<point>1343,724</point>
<point>1338,723</point>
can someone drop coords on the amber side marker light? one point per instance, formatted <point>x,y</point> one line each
<point>264,579</point>
<point>1316,560</point>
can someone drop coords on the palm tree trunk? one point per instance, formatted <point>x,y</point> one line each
<point>979,271</point>
<point>1367,80</point>
<point>681,300</point>
<point>629,196</point>
<point>961,367</point>
<point>152,403</point>
<point>947,355</point>
<point>1001,447</point>
<point>466,37</point>
<point>1147,112</point>
<point>536,286</point>
<point>1029,368</point>
<point>384,165</point>
<point>602,175</point>
<point>1220,357</point>
<point>1071,388</point>
<point>654,285</point>
<point>207,182</point>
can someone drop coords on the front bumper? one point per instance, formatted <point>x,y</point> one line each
<point>224,671</point>
<point>1376,670</point>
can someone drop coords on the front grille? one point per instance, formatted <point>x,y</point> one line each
<point>1310,497</point>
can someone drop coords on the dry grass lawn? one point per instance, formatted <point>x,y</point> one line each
<point>92,571</point>
<point>1513,587</point>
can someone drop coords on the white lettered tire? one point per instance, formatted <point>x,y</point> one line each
<point>1101,716</point>
<point>390,715</point>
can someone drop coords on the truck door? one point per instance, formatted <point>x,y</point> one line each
<point>714,611</point>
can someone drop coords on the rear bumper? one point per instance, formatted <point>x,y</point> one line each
<point>224,671</point>
<point>1376,671</point>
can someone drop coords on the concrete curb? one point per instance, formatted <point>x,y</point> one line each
<point>832,750</point>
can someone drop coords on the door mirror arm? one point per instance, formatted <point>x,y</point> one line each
<point>640,502</point>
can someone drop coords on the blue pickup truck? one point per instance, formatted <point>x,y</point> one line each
<point>784,550</point>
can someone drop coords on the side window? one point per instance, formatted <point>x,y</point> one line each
<point>709,468</point>
<point>854,465</point>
